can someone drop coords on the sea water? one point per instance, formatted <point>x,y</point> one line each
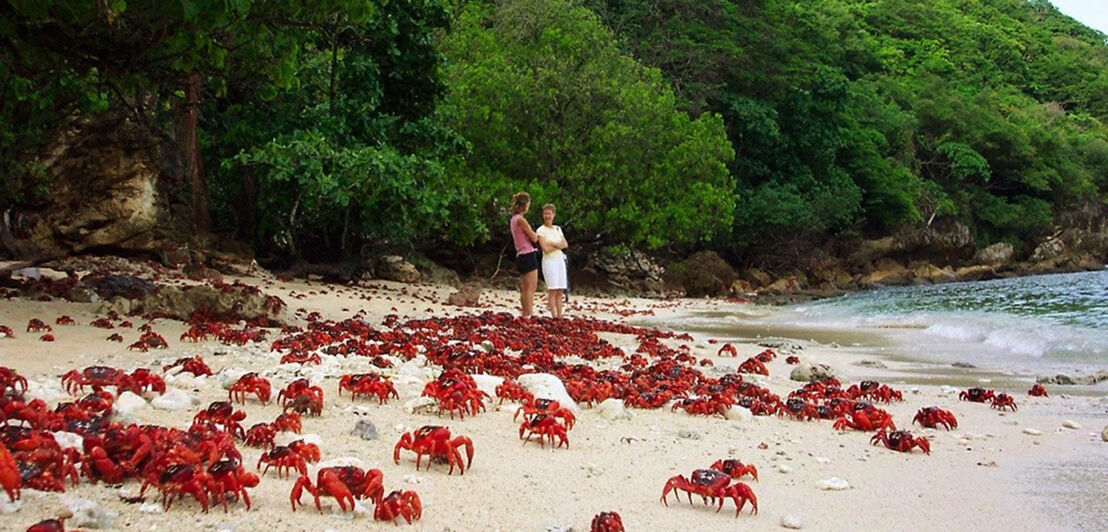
<point>1046,322</point>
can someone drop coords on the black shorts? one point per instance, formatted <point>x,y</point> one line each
<point>527,262</point>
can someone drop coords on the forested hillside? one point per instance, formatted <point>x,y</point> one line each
<point>317,130</point>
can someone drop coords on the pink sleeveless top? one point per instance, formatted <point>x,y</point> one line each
<point>523,244</point>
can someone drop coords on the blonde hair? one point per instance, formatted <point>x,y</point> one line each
<point>548,207</point>
<point>520,200</point>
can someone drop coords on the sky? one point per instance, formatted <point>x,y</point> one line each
<point>1092,13</point>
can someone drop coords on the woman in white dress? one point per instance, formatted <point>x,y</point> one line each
<point>552,242</point>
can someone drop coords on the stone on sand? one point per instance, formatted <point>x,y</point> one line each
<point>613,409</point>
<point>547,386</point>
<point>833,484</point>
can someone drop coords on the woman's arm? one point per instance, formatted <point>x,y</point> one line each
<point>522,222</point>
<point>547,245</point>
<point>562,244</point>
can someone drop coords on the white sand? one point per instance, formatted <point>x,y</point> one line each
<point>986,475</point>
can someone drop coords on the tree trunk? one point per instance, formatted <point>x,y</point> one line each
<point>194,165</point>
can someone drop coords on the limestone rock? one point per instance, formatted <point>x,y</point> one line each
<point>791,521</point>
<point>127,405</point>
<point>421,404</point>
<point>998,254</point>
<point>365,429</point>
<point>468,295</point>
<point>808,372</point>
<point>237,303</point>
<point>612,409</point>
<point>1050,249</point>
<point>488,383</point>
<point>702,274</point>
<point>738,413</point>
<point>1104,434</point>
<point>173,399</point>
<point>395,268</point>
<point>757,278</point>
<point>979,272</point>
<point>547,386</point>
<point>88,514</point>
<point>1071,424</point>
<point>105,175</point>
<point>833,484</point>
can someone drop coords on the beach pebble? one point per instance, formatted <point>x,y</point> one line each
<point>612,409</point>
<point>487,383</point>
<point>173,399</point>
<point>420,405</point>
<point>69,439</point>
<point>360,511</point>
<point>688,434</point>
<point>947,390</point>
<point>807,372</point>
<point>822,460</point>
<point>791,521</point>
<point>1032,431</point>
<point>365,429</point>
<point>784,468</point>
<point>127,404</point>
<point>547,386</point>
<point>1071,424</point>
<point>223,527</point>
<point>1104,433</point>
<point>833,484</point>
<point>50,391</point>
<point>413,479</point>
<point>88,514</point>
<point>738,413</point>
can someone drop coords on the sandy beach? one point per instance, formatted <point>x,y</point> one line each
<point>1022,470</point>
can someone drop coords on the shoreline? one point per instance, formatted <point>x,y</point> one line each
<point>618,464</point>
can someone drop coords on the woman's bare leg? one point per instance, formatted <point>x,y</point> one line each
<point>554,302</point>
<point>527,284</point>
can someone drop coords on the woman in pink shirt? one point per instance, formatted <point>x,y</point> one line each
<point>527,257</point>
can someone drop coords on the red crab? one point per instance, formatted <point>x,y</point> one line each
<point>792,360</point>
<point>766,356</point>
<point>901,440</point>
<point>298,388</point>
<point>399,504</point>
<point>194,365</point>
<point>46,338</point>
<point>180,479</point>
<point>709,483</point>
<point>228,476</point>
<point>343,483</point>
<point>933,416</point>
<point>308,451</point>
<point>6,332</point>
<point>727,349</point>
<point>368,384</point>
<point>305,404</point>
<point>284,459</point>
<point>753,365</point>
<point>288,422</point>
<point>64,320</point>
<point>153,340</point>
<point>435,441</point>
<point>36,325</point>
<point>735,468</point>
<point>115,337</point>
<point>606,522</point>
<point>49,525</point>
<point>866,417</point>
<point>222,414</point>
<point>250,383</point>
<point>976,395</point>
<point>546,407</point>
<point>512,391</point>
<point>10,478</point>
<point>9,379</point>
<point>1003,400</point>
<point>546,427</point>
<point>1037,390</point>
<point>301,358</point>
<point>102,323</point>
<point>261,435</point>
<point>100,376</point>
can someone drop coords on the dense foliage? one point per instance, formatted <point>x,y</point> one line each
<point>315,128</point>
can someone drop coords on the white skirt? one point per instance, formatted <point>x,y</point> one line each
<point>554,273</point>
